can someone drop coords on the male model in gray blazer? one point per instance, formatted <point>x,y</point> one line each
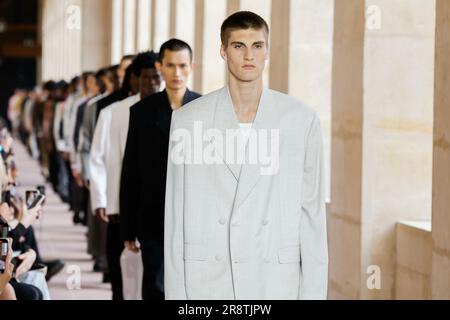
<point>245,201</point>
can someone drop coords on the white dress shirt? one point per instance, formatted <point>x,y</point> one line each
<point>106,151</point>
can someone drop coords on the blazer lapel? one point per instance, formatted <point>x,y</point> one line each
<point>188,96</point>
<point>163,113</point>
<point>224,119</point>
<point>267,118</point>
<point>164,110</point>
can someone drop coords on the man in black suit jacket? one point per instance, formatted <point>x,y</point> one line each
<point>143,178</point>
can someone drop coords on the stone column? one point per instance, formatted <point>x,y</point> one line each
<point>161,17</point>
<point>279,46</point>
<point>198,45</point>
<point>61,39</point>
<point>310,63</point>
<point>233,6</point>
<point>96,34</point>
<point>398,122</point>
<point>129,27</point>
<point>183,19</point>
<point>344,214</point>
<point>381,138</point>
<point>153,15</point>
<point>210,70</point>
<point>143,25</point>
<point>441,156</point>
<point>116,31</point>
<point>173,16</point>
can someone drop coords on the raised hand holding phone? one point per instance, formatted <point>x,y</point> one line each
<point>32,211</point>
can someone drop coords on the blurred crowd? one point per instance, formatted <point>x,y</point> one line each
<point>56,122</point>
<point>23,272</point>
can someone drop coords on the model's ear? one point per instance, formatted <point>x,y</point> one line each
<point>223,53</point>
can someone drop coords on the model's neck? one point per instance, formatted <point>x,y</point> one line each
<point>176,97</point>
<point>245,97</point>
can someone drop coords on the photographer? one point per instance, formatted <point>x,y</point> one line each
<point>25,262</point>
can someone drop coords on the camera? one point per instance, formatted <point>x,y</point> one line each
<point>4,228</point>
<point>4,248</point>
<point>30,195</point>
<point>33,198</point>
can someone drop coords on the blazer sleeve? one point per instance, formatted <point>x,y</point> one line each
<point>129,181</point>
<point>174,278</point>
<point>57,125</point>
<point>85,141</point>
<point>97,163</point>
<point>313,230</point>
<point>115,160</point>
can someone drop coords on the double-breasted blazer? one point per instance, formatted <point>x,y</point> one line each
<point>236,231</point>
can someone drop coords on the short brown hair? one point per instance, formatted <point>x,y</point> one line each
<point>242,20</point>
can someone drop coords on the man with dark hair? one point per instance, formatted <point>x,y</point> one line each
<point>106,80</point>
<point>243,20</point>
<point>245,219</point>
<point>143,177</point>
<point>106,157</point>
<point>174,45</point>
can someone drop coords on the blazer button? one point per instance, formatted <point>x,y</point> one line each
<point>235,224</point>
<point>265,222</point>
<point>222,221</point>
<point>218,258</point>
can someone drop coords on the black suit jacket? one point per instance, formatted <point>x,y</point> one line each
<point>143,177</point>
<point>109,100</point>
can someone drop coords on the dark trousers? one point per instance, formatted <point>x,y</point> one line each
<point>153,262</point>
<point>114,248</point>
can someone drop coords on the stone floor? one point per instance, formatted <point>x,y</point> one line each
<point>58,237</point>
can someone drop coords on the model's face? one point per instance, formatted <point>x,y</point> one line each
<point>91,85</point>
<point>101,83</point>
<point>108,82</point>
<point>134,83</point>
<point>150,82</point>
<point>175,68</point>
<point>246,54</point>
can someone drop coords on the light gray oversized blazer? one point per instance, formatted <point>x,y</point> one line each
<point>233,233</point>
